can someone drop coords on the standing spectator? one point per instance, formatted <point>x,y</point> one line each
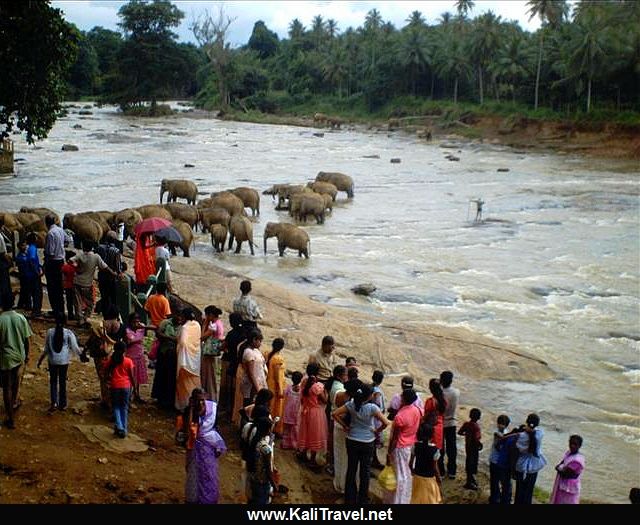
<point>403,435</point>
<point>58,343</point>
<point>162,253</point>
<point>313,431</point>
<point>68,275</point>
<point>189,356</point>
<point>86,263</point>
<point>14,354</point>
<point>424,466</point>
<point>361,434</point>
<point>5,266</point>
<point>378,399</point>
<point>134,337</point>
<point>434,408</point>
<point>566,489</point>
<point>396,401</point>
<point>251,375</point>
<point>275,381</point>
<point>30,271</point>
<point>53,260</point>
<point>163,389</point>
<point>472,447</point>
<point>107,280</point>
<point>338,397</point>
<point>324,358</point>
<point>229,367</point>
<point>212,338</point>
<point>291,417</point>
<point>120,371</point>
<point>451,396</point>
<point>499,463</point>
<point>530,460</point>
<point>157,306</point>
<point>246,306</point>
<point>260,470</point>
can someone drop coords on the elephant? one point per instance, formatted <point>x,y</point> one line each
<point>185,212</point>
<point>241,230</point>
<point>335,122</point>
<point>249,197</point>
<point>204,203</point>
<point>339,180</point>
<point>25,219</point>
<point>393,124</point>
<point>187,235</point>
<point>184,189</point>
<point>106,215</point>
<point>320,118</point>
<point>328,202</point>
<point>41,212</point>
<point>218,236</point>
<point>154,210</point>
<point>96,216</point>
<point>305,204</point>
<point>130,217</point>
<point>83,227</point>
<point>210,216</point>
<point>324,187</point>
<point>289,236</point>
<point>424,133</point>
<point>228,201</point>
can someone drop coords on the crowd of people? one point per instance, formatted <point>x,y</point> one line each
<point>334,420</point>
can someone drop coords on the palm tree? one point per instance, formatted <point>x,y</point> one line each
<point>296,29</point>
<point>332,28</point>
<point>373,20</point>
<point>452,61</point>
<point>335,68</point>
<point>445,19</point>
<point>415,19</point>
<point>463,7</point>
<point>485,41</point>
<point>549,11</point>
<point>510,63</point>
<point>318,31</point>
<point>414,54</point>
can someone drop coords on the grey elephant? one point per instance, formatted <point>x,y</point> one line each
<point>218,236</point>
<point>154,210</point>
<point>41,212</point>
<point>179,188</point>
<point>83,227</point>
<point>289,236</point>
<point>210,216</point>
<point>241,230</point>
<point>250,198</point>
<point>187,236</point>
<point>339,180</point>
<point>228,201</point>
<point>130,217</point>
<point>184,212</point>
<point>98,217</point>
<point>324,188</point>
<point>304,204</point>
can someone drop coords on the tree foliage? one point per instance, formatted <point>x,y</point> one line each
<point>37,48</point>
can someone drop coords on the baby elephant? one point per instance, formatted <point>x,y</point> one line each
<point>218,236</point>
<point>289,236</point>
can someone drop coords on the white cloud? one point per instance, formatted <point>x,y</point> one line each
<point>278,14</point>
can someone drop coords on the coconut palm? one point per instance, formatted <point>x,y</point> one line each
<point>463,7</point>
<point>296,29</point>
<point>414,53</point>
<point>452,61</point>
<point>415,19</point>
<point>485,42</point>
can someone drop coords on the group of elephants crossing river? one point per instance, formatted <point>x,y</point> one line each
<point>223,215</point>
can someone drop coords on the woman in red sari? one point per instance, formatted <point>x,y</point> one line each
<point>144,258</point>
<point>434,408</point>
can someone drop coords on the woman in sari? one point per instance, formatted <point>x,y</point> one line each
<point>204,447</point>
<point>188,349</point>
<point>134,336</point>
<point>566,489</point>
<point>164,379</point>
<point>144,258</point>
<point>275,382</point>
<point>434,408</point>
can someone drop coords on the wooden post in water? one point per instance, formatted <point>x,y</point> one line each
<point>6,156</point>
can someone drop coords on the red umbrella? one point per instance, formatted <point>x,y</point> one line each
<point>151,225</point>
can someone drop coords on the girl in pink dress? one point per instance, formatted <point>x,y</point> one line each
<point>313,430</point>
<point>291,415</point>
<point>134,336</point>
<point>566,489</point>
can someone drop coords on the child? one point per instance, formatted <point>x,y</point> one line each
<point>566,489</point>
<point>425,488</point>
<point>119,370</point>
<point>291,412</point>
<point>68,274</point>
<point>351,362</point>
<point>275,381</point>
<point>134,336</point>
<point>378,399</point>
<point>472,444</point>
<point>58,342</point>
<point>212,337</point>
<point>500,464</point>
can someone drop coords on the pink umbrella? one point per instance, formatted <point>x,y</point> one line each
<point>151,225</point>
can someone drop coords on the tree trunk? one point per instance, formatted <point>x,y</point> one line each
<point>589,95</point>
<point>433,84</point>
<point>535,106</point>
<point>481,89</point>
<point>618,98</point>
<point>455,91</point>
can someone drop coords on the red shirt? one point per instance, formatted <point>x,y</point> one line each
<point>120,377</point>
<point>472,435</point>
<point>68,273</point>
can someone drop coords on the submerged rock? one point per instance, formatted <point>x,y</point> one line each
<point>370,156</point>
<point>395,161</point>
<point>189,166</point>
<point>364,289</point>
<point>69,147</point>
<point>85,112</point>
<point>318,134</point>
<point>502,170</point>
<point>76,126</point>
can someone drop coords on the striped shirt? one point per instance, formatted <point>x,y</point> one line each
<point>54,243</point>
<point>246,306</point>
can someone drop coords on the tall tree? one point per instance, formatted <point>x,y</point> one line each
<point>485,42</point>
<point>416,19</point>
<point>211,34</point>
<point>37,49</point>
<point>549,11</point>
<point>463,7</point>
<point>263,40</point>
<point>414,54</point>
<point>296,29</point>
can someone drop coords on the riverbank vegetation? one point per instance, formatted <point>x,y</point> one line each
<point>581,64</point>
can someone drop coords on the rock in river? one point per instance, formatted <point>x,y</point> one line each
<point>69,147</point>
<point>364,289</point>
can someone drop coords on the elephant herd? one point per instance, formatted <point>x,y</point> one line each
<point>222,215</point>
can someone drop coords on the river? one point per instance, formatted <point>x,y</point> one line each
<point>553,268</point>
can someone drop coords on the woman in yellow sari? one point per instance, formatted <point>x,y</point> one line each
<point>275,382</point>
<point>188,349</point>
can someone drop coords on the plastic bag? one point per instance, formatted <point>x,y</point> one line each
<point>387,478</point>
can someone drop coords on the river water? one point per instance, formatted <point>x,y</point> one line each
<point>554,268</point>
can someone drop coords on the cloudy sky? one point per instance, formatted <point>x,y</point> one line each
<point>278,14</point>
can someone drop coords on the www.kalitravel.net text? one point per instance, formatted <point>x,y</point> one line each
<point>319,513</point>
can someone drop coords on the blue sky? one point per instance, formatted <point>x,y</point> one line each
<point>278,14</point>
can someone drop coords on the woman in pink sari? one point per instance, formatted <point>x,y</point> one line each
<point>566,489</point>
<point>313,429</point>
<point>134,337</point>
<point>188,349</point>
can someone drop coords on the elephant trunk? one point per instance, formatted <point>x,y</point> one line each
<point>265,244</point>
<point>162,190</point>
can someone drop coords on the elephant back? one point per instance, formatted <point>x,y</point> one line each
<point>185,231</point>
<point>154,210</point>
<point>41,212</point>
<point>24,219</point>
<point>241,228</point>
<point>210,216</point>
<point>228,201</point>
<point>183,212</point>
<point>104,225</point>
<point>83,227</point>
<point>249,197</point>
<point>130,217</point>
<point>327,188</point>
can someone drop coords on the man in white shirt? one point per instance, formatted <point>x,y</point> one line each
<point>451,395</point>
